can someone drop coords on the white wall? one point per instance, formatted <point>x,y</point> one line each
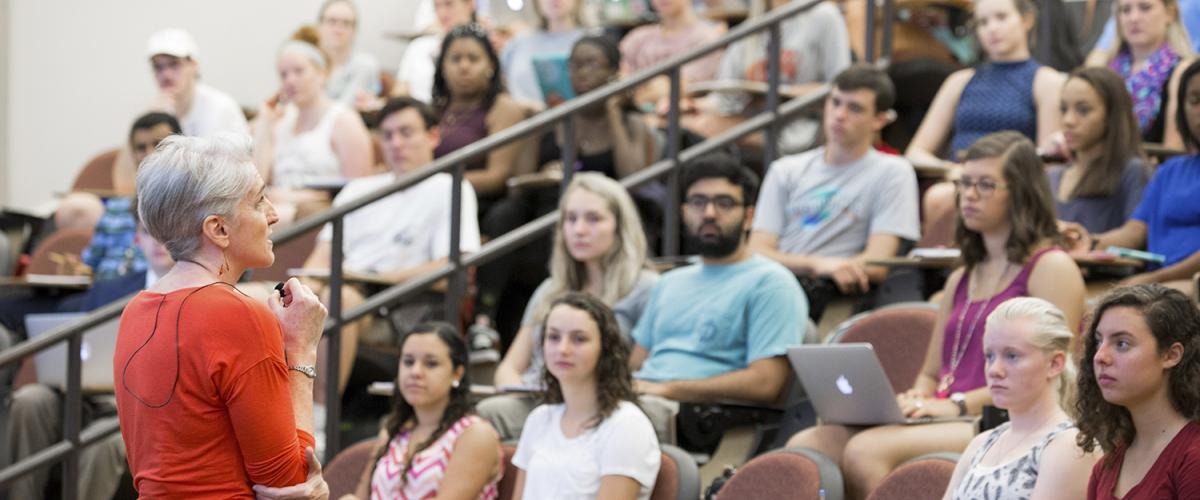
<point>77,73</point>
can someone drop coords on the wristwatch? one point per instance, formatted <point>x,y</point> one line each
<point>309,371</point>
<point>959,399</point>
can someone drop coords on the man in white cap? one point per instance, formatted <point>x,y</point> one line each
<point>200,109</point>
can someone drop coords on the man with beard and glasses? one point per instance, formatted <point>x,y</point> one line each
<point>717,330</point>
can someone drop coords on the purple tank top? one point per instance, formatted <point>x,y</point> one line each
<point>459,129</point>
<point>969,374</point>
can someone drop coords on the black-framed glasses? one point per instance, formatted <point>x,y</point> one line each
<point>985,187</point>
<point>723,204</point>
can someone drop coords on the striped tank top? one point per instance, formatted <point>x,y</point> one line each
<point>428,467</point>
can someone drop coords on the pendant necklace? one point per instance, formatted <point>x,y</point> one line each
<point>959,350</point>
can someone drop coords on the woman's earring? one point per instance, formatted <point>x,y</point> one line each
<point>454,384</point>
<point>224,265</point>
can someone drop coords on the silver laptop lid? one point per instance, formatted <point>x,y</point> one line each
<point>846,383</point>
<point>97,348</point>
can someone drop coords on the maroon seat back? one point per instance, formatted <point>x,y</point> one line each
<point>788,473</point>
<point>922,477</point>
<point>343,473</point>
<point>60,252</point>
<point>97,174</point>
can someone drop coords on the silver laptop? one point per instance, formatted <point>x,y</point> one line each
<point>96,354</point>
<point>847,385</point>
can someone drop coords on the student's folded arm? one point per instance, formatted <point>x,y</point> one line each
<point>761,382</point>
<point>1182,270</point>
<point>937,125</point>
<point>517,359</point>
<point>1131,234</point>
<point>1047,85</point>
<point>879,246</point>
<point>767,244</point>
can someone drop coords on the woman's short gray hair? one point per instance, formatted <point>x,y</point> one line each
<point>187,179</point>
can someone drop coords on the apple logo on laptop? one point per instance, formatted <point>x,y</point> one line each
<point>844,385</point>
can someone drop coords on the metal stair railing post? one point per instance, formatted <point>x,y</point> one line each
<point>670,242</point>
<point>456,289</point>
<point>333,338</point>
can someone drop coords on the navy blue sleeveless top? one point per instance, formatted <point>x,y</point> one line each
<point>998,97</point>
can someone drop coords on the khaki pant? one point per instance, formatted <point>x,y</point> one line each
<point>35,423</point>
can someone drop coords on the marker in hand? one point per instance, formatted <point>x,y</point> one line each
<point>283,294</point>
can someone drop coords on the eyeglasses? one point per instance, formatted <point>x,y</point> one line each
<point>722,204</point>
<point>984,187</point>
<point>333,21</point>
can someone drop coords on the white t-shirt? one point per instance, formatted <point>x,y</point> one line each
<point>308,157</point>
<point>828,210</point>
<point>567,469</point>
<point>418,66</point>
<point>213,111</point>
<point>404,230</point>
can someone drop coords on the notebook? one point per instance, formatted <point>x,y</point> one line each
<point>96,352</point>
<point>553,79</point>
<point>847,385</point>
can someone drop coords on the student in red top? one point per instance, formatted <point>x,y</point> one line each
<point>1137,395</point>
<point>214,390</point>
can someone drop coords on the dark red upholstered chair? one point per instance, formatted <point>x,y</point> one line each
<point>678,476</point>
<point>345,470</point>
<point>786,473</point>
<point>926,476</point>
<point>900,335</point>
<point>59,253</point>
<point>97,174</point>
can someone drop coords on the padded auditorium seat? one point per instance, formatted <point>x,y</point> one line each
<point>926,476</point>
<point>786,473</point>
<point>900,335</point>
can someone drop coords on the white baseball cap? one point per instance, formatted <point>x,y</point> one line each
<point>172,42</point>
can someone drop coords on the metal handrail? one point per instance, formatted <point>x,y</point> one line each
<point>67,450</point>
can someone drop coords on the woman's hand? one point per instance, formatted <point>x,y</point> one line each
<point>917,406</point>
<point>301,317</point>
<point>271,110</point>
<point>1076,237</point>
<point>314,488</point>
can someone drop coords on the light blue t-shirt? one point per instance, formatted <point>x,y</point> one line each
<point>1171,209</point>
<point>705,320</point>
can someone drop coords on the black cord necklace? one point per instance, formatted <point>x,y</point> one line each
<point>154,330</point>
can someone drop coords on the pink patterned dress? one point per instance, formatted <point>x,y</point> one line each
<point>428,468</point>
